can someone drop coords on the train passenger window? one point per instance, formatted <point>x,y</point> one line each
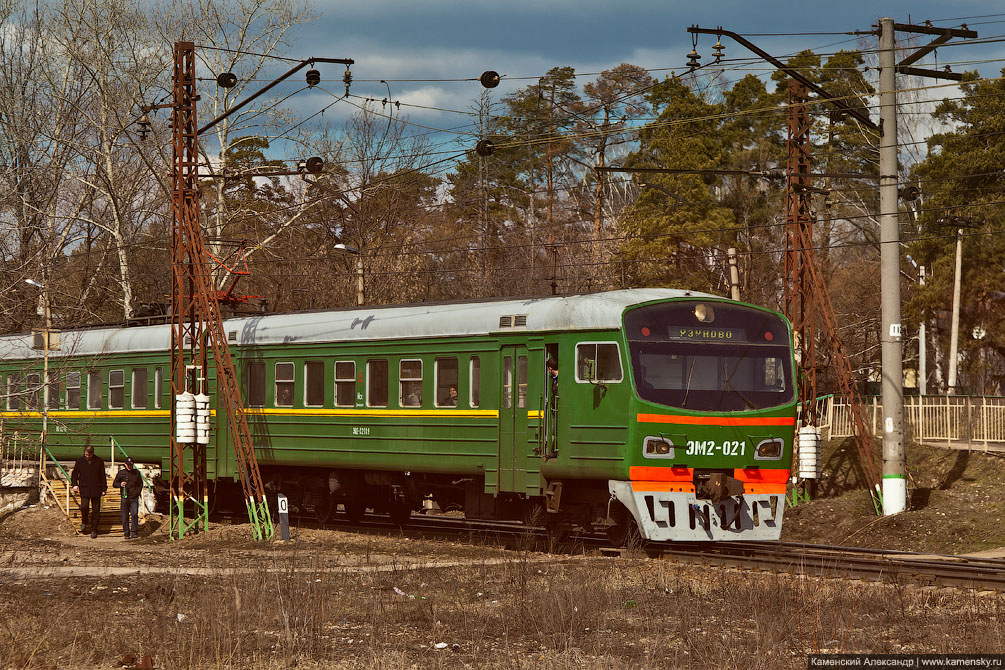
<point>475,378</point>
<point>139,390</point>
<point>33,389</point>
<point>507,399</point>
<point>116,389</point>
<point>254,383</point>
<point>158,387</point>
<point>410,383</point>
<point>94,389</point>
<point>285,379</point>
<point>445,372</point>
<point>72,390</point>
<point>13,393</point>
<point>314,384</point>
<point>376,383</point>
<point>345,383</point>
<point>521,381</point>
<point>598,362</point>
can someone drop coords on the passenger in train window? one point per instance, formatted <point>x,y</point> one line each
<point>552,366</point>
<point>451,399</point>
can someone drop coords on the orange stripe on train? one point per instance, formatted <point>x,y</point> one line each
<point>687,487</point>
<point>649,473</point>
<point>717,420</point>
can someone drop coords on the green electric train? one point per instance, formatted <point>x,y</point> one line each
<point>666,412</point>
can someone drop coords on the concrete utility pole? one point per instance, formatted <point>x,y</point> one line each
<point>894,466</point>
<point>922,346</point>
<point>734,274</point>
<point>360,295</point>
<point>954,333</point>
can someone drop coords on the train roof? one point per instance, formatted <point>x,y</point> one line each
<point>594,311</point>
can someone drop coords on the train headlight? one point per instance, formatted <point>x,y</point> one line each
<point>704,313</point>
<point>770,449</point>
<point>658,447</point>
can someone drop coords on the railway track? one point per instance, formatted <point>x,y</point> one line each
<point>899,567</point>
<point>902,567</point>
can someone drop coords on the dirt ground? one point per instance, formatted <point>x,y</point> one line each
<point>956,503</point>
<point>337,599</point>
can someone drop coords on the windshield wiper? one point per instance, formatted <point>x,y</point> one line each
<point>726,377</point>
<point>687,385</point>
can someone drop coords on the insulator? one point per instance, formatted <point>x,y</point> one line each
<point>485,148</point>
<point>693,59</point>
<point>489,79</point>
<point>144,124</point>
<point>717,50</point>
<point>226,80</point>
<point>313,78</point>
<point>347,79</point>
<point>315,164</point>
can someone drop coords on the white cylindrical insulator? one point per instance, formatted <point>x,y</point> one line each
<point>809,452</point>
<point>184,416</point>
<point>202,418</point>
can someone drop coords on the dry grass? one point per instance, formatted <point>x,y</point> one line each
<point>301,608</point>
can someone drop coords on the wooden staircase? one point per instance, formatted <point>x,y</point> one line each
<point>110,520</point>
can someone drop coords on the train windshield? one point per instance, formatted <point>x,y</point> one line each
<point>710,356</point>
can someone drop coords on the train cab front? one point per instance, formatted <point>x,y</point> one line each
<point>711,429</point>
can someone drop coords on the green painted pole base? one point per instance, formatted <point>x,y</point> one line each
<point>799,494</point>
<point>177,527</point>
<point>877,500</point>
<point>261,520</point>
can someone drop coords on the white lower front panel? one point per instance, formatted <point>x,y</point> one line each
<point>664,515</point>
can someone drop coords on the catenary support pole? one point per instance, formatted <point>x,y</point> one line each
<point>360,296</point>
<point>922,346</point>
<point>734,275</point>
<point>894,467</point>
<point>954,333</point>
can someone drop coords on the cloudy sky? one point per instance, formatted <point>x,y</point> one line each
<point>428,51</point>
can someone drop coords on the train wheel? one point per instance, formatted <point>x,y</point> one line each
<point>400,513</point>
<point>624,531</point>
<point>355,510</point>
<point>316,499</point>
<point>324,506</point>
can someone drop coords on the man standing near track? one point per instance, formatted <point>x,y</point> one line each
<point>131,483</point>
<point>88,479</point>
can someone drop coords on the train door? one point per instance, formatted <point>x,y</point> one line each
<point>513,419</point>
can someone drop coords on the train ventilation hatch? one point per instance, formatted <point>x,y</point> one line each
<point>513,321</point>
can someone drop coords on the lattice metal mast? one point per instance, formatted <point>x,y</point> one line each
<point>188,356</point>
<point>197,323</point>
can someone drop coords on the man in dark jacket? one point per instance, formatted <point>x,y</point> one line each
<point>130,482</point>
<point>88,479</point>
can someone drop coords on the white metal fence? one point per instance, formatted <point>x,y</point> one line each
<point>975,420</point>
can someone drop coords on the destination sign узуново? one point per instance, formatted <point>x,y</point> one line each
<point>707,334</point>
